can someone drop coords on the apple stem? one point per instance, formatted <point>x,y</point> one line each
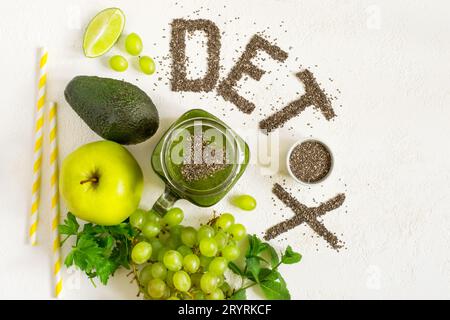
<point>93,180</point>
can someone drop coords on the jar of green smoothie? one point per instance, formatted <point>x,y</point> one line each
<point>200,158</point>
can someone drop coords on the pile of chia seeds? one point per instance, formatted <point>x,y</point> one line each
<point>310,161</point>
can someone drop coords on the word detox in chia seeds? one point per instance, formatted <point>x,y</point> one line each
<point>310,161</point>
<point>203,160</point>
<point>304,214</point>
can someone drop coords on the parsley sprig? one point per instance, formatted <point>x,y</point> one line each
<point>98,250</point>
<point>262,271</point>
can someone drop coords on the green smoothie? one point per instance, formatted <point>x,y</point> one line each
<point>200,158</point>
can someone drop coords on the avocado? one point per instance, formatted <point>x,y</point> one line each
<point>116,110</point>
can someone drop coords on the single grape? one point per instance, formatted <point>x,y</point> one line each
<point>156,288</point>
<point>195,279</point>
<point>147,65</point>
<point>208,282</point>
<point>216,294</point>
<point>181,281</point>
<point>133,44</point>
<point>164,236</point>
<point>173,242</point>
<point>184,250</point>
<point>225,221</point>
<point>167,293</point>
<point>141,252</point>
<point>208,247</point>
<point>156,247</point>
<point>153,216</point>
<point>199,295</point>
<point>176,231</point>
<point>173,298</point>
<point>205,232</point>
<point>173,260</point>
<point>118,63</point>
<point>191,263</point>
<point>189,236</point>
<point>145,275</point>
<point>237,231</point>
<point>231,252</point>
<point>173,217</point>
<point>221,239</point>
<point>205,261</point>
<point>218,266</point>
<point>159,271</point>
<point>245,202</point>
<point>220,281</point>
<point>137,219</point>
<point>151,229</point>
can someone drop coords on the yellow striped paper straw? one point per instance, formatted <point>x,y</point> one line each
<point>38,139</point>
<point>55,198</point>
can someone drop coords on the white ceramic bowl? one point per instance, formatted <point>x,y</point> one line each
<point>289,155</point>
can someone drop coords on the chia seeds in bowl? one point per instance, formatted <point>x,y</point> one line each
<point>309,161</point>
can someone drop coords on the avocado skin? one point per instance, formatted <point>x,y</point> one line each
<point>116,110</point>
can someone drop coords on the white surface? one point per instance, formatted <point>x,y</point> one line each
<point>390,139</point>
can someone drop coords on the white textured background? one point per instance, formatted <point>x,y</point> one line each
<point>390,139</point>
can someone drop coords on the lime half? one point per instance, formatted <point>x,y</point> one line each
<point>102,32</point>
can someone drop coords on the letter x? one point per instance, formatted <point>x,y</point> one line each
<point>304,214</point>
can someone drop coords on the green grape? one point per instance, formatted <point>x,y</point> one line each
<point>205,261</point>
<point>231,252</point>
<point>133,44</point>
<point>156,288</point>
<point>153,216</point>
<point>164,236</point>
<point>225,221</point>
<point>173,217</point>
<point>205,232</point>
<point>208,282</point>
<point>216,294</point>
<point>137,219</point>
<point>169,278</point>
<point>237,231</point>
<point>218,266</point>
<point>181,281</point>
<point>173,260</point>
<point>173,298</point>
<point>220,281</point>
<point>184,250</point>
<point>191,263</point>
<point>159,271</point>
<point>195,279</point>
<point>161,253</point>
<point>141,252</point>
<point>150,229</point>
<point>147,65</point>
<point>199,295</point>
<point>208,247</point>
<point>173,242</point>
<point>245,202</point>
<point>221,239</point>
<point>118,63</point>
<point>156,247</point>
<point>145,275</point>
<point>189,236</point>
<point>176,231</point>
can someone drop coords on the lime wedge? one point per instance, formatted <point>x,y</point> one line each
<point>102,32</point>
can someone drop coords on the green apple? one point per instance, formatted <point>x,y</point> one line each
<point>101,182</point>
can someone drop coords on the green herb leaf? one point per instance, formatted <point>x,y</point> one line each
<point>274,259</point>
<point>274,290</point>
<point>290,256</point>
<point>253,267</point>
<point>70,226</point>
<point>233,267</point>
<point>241,294</point>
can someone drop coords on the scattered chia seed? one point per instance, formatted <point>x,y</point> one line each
<point>310,161</point>
<point>304,214</point>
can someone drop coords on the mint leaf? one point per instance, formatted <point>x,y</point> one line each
<point>239,295</point>
<point>274,259</point>
<point>274,290</point>
<point>233,267</point>
<point>290,256</point>
<point>253,267</point>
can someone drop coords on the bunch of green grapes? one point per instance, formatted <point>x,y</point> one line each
<point>181,262</point>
